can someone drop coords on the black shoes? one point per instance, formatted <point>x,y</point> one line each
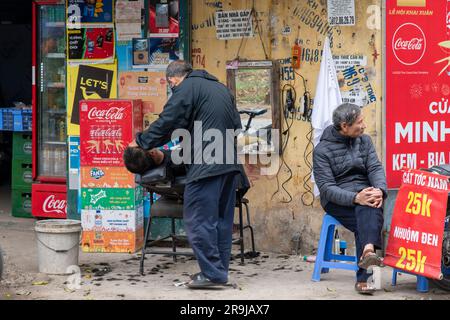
<point>199,281</point>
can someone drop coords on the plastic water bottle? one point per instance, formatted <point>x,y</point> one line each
<point>309,258</point>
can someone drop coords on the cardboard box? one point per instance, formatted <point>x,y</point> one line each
<point>107,177</point>
<point>113,220</point>
<point>150,87</point>
<point>112,242</point>
<point>111,198</point>
<point>106,129</point>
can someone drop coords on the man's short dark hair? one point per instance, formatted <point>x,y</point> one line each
<point>137,160</point>
<point>178,68</point>
<point>345,113</point>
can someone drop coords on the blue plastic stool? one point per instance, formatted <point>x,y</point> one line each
<point>422,282</point>
<point>324,252</point>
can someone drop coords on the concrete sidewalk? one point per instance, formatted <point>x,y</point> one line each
<point>116,276</point>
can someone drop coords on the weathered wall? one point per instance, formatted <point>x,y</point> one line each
<point>275,222</point>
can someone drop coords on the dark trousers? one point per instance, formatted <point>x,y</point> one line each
<point>365,222</point>
<point>208,219</point>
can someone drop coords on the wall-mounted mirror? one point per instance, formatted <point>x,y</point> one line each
<point>256,88</point>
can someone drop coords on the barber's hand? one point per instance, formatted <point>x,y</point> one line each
<point>133,144</point>
<point>370,197</point>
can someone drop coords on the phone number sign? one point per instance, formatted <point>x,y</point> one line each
<point>417,227</point>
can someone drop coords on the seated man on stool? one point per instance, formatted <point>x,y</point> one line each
<point>352,185</point>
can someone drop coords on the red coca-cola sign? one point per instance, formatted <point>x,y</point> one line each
<point>409,44</point>
<point>54,205</point>
<point>113,113</point>
<point>49,200</point>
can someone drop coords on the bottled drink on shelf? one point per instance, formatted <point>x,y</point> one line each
<point>62,130</point>
<point>57,162</point>
<point>45,166</point>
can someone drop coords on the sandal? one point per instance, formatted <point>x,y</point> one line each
<point>369,258</point>
<point>364,288</point>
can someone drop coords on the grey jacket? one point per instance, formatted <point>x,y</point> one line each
<point>344,166</point>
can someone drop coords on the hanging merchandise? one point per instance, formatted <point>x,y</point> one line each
<point>90,45</point>
<point>141,51</point>
<point>164,18</point>
<point>90,11</point>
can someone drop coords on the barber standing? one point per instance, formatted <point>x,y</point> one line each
<point>199,101</point>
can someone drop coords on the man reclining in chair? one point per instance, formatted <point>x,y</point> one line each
<point>352,185</point>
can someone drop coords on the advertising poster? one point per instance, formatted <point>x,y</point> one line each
<point>164,20</point>
<point>417,227</point>
<point>88,82</point>
<point>90,11</point>
<point>355,86</point>
<point>163,51</point>
<point>150,87</point>
<point>90,45</point>
<point>417,86</point>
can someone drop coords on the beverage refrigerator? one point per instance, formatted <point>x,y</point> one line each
<point>49,190</point>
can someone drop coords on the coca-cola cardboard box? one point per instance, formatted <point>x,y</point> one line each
<point>49,201</point>
<point>106,177</point>
<point>106,128</point>
<point>113,220</point>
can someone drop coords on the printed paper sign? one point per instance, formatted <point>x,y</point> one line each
<point>355,86</point>
<point>234,24</point>
<point>415,238</point>
<point>341,12</point>
<point>90,11</point>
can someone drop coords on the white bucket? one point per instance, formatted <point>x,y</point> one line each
<point>57,243</point>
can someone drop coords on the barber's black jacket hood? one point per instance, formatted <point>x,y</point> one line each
<point>343,166</point>
<point>199,97</point>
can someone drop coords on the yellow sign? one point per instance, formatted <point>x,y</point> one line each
<point>86,82</point>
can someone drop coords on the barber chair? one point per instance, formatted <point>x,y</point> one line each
<point>163,181</point>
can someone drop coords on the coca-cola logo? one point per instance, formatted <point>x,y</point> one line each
<point>113,113</point>
<point>106,133</point>
<point>409,44</point>
<point>53,205</point>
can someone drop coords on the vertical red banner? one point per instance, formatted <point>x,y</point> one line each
<point>417,227</point>
<point>417,85</point>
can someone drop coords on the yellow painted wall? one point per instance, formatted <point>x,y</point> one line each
<point>275,222</point>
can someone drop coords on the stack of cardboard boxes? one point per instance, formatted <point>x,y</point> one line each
<point>111,203</point>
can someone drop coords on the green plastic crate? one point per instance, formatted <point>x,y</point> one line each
<point>22,146</point>
<point>22,174</point>
<point>21,203</point>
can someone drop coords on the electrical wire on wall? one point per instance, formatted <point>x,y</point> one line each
<point>309,147</point>
<point>289,95</point>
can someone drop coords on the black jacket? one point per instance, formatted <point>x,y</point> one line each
<point>199,97</point>
<point>344,166</point>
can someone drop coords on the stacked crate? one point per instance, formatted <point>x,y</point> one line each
<point>21,176</point>
<point>112,213</point>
